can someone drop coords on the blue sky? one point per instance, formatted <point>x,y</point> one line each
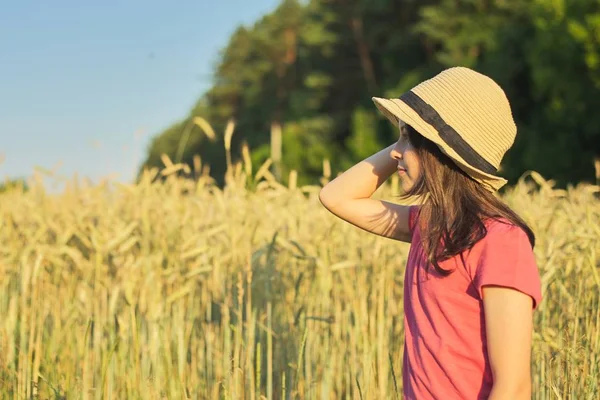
<point>84,85</point>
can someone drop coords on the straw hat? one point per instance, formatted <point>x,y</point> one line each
<point>466,114</point>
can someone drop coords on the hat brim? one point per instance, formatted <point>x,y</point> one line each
<point>396,110</point>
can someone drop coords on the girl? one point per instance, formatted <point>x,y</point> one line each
<point>471,281</point>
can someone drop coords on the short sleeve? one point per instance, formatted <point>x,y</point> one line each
<point>507,260</point>
<point>413,213</point>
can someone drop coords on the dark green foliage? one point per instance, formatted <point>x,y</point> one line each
<point>13,184</point>
<point>314,66</point>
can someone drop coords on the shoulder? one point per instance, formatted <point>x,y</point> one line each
<point>501,232</point>
<point>503,242</point>
<point>505,257</point>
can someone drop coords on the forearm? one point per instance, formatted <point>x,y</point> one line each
<point>361,180</point>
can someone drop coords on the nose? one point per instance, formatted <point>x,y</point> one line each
<point>395,154</point>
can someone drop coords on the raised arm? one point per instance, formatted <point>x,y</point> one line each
<point>348,197</point>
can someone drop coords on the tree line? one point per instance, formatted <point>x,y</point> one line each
<point>311,67</point>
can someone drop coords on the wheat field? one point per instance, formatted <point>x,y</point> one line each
<point>173,289</point>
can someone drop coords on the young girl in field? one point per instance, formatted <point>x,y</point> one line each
<point>471,281</point>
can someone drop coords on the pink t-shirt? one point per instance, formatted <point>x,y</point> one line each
<point>445,350</point>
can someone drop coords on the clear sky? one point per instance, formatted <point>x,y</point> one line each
<point>84,85</point>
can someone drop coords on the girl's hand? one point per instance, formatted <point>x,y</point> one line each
<point>348,197</point>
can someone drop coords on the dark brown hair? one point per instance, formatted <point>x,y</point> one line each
<point>455,207</point>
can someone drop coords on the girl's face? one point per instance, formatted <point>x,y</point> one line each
<point>409,167</point>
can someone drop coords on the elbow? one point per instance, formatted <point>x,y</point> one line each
<point>523,391</point>
<point>328,199</point>
<point>325,197</point>
<point>517,390</point>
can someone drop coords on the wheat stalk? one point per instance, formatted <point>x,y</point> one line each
<point>176,288</point>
